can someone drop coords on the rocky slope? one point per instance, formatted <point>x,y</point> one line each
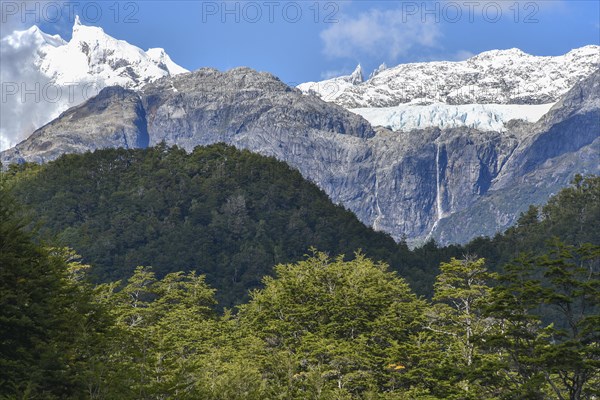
<point>120,122</point>
<point>413,185</point>
<point>64,74</point>
<point>565,141</point>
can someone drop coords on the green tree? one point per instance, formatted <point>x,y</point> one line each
<point>569,215</point>
<point>461,291</point>
<point>521,338</point>
<point>549,308</point>
<point>49,327</point>
<point>340,321</point>
<point>572,294</point>
<point>232,213</point>
<point>164,329</point>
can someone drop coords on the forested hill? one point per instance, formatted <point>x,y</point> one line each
<point>225,213</point>
<point>321,328</point>
<point>519,323</point>
<point>232,215</point>
<point>572,216</point>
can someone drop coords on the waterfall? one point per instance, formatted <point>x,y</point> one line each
<point>438,192</point>
<point>440,212</point>
<point>378,209</point>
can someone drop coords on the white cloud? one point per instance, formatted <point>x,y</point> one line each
<point>20,15</point>
<point>29,98</point>
<point>462,55</point>
<point>23,106</point>
<point>379,32</point>
<point>19,118</point>
<point>335,73</point>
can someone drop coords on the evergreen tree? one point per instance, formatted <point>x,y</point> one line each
<point>572,294</point>
<point>549,309</point>
<point>461,291</point>
<point>49,327</point>
<point>516,305</point>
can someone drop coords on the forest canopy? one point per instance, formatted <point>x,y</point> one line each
<point>166,240</point>
<point>232,215</point>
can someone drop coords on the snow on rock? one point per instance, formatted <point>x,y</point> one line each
<point>378,70</point>
<point>58,74</point>
<point>484,117</point>
<point>357,76</point>
<point>493,77</point>
<point>92,55</point>
<point>329,89</point>
<point>162,59</point>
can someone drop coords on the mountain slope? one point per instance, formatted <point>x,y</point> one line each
<point>123,125</point>
<point>229,214</point>
<point>496,76</point>
<point>67,73</point>
<point>405,184</point>
<point>564,142</point>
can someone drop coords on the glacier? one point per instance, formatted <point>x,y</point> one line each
<point>484,92</point>
<point>483,117</point>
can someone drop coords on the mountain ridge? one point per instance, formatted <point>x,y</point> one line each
<point>406,184</point>
<point>413,183</point>
<point>69,72</point>
<point>495,76</point>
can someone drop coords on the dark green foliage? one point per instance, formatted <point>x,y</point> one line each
<point>322,328</point>
<point>47,319</point>
<point>231,215</point>
<point>549,307</point>
<point>572,215</point>
<point>228,214</point>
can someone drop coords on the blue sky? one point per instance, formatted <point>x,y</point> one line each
<point>309,40</point>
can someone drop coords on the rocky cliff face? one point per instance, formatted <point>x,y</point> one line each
<point>431,183</point>
<point>427,175</point>
<point>564,142</point>
<point>113,118</point>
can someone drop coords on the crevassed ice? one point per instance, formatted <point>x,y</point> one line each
<point>485,117</point>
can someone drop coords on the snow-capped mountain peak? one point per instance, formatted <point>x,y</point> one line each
<point>378,70</point>
<point>497,76</point>
<point>485,91</point>
<point>93,55</point>
<point>357,76</point>
<point>74,70</point>
<point>330,88</point>
<point>162,59</point>
<point>500,54</point>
